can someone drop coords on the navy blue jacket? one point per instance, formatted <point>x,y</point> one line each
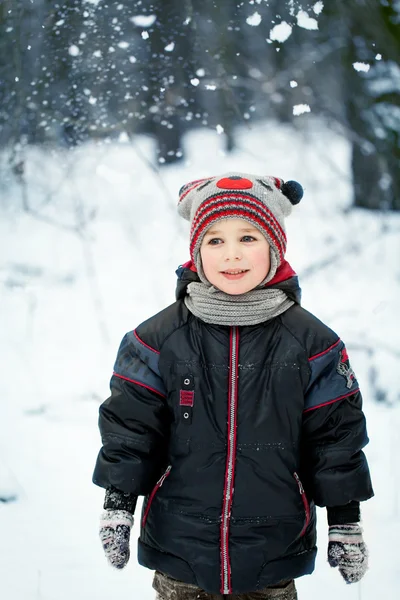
<point>233,435</point>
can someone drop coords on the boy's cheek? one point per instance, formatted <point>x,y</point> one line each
<point>208,262</point>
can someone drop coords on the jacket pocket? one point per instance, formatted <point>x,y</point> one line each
<point>153,493</point>
<point>305,504</point>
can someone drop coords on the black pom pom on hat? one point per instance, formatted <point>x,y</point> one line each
<point>292,190</point>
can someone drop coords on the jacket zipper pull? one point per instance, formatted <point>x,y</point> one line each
<point>163,477</point>
<point>299,483</point>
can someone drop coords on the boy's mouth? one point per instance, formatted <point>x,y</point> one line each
<point>234,273</point>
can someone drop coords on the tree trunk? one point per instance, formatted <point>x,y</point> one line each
<point>373,114</point>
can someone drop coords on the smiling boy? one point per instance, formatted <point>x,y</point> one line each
<point>235,256</point>
<point>235,412</point>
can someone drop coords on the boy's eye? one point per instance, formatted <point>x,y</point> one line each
<point>245,238</point>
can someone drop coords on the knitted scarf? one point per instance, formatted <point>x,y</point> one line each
<point>213,306</point>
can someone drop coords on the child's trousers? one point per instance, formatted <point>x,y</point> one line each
<point>171,589</point>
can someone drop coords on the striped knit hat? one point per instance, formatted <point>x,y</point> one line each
<point>262,200</point>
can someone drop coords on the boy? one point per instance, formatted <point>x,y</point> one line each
<point>235,412</point>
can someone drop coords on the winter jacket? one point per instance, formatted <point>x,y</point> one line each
<point>233,435</point>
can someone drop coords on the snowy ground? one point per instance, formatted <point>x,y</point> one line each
<point>95,256</point>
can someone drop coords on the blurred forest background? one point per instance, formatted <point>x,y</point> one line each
<point>85,69</point>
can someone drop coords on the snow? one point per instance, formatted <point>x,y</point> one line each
<point>143,20</point>
<point>318,7</point>
<point>281,32</point>
<point>299,109</point>
<point>254,20</point>
<point>360,66</point>
<point>305,21</point>
<point>73,50</point>
<point>95,257</point>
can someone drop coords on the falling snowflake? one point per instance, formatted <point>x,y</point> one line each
<point>143,20</point>
<point>305,21</point>
<point>281,32</point>
<point>299,109</point>
<point>254,20</point>
<point>360,66</point>
<point>73,50</point>
<point>318,7</point>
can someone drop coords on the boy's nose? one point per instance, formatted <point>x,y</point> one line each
<point>233,252</point>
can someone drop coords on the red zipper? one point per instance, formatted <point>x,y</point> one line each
<point>226,587</point>
<point>153,493</point>
<point>305,503</point>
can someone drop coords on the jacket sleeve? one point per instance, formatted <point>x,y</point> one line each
<point>133,422</point>
<point>334,432</point>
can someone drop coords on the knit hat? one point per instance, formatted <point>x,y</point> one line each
<point>262,200</point>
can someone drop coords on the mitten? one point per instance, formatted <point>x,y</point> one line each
<point>115,532</point>
<point>347,550</point>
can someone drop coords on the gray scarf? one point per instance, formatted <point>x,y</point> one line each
<point>211,305</point>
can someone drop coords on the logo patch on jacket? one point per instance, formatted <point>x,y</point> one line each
<point>344,368</point>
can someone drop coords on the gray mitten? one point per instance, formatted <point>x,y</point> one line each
<point>115,532</point>
<point>347,550</point>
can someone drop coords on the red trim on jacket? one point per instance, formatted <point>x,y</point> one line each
<point>139,383</point>
<point>144,343</point>
<point>325,351</point>
<point>332,401</point>
<point>153,493</point>
<point>230,459</point>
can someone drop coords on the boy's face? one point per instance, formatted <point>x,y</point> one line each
<point>235,256</point>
